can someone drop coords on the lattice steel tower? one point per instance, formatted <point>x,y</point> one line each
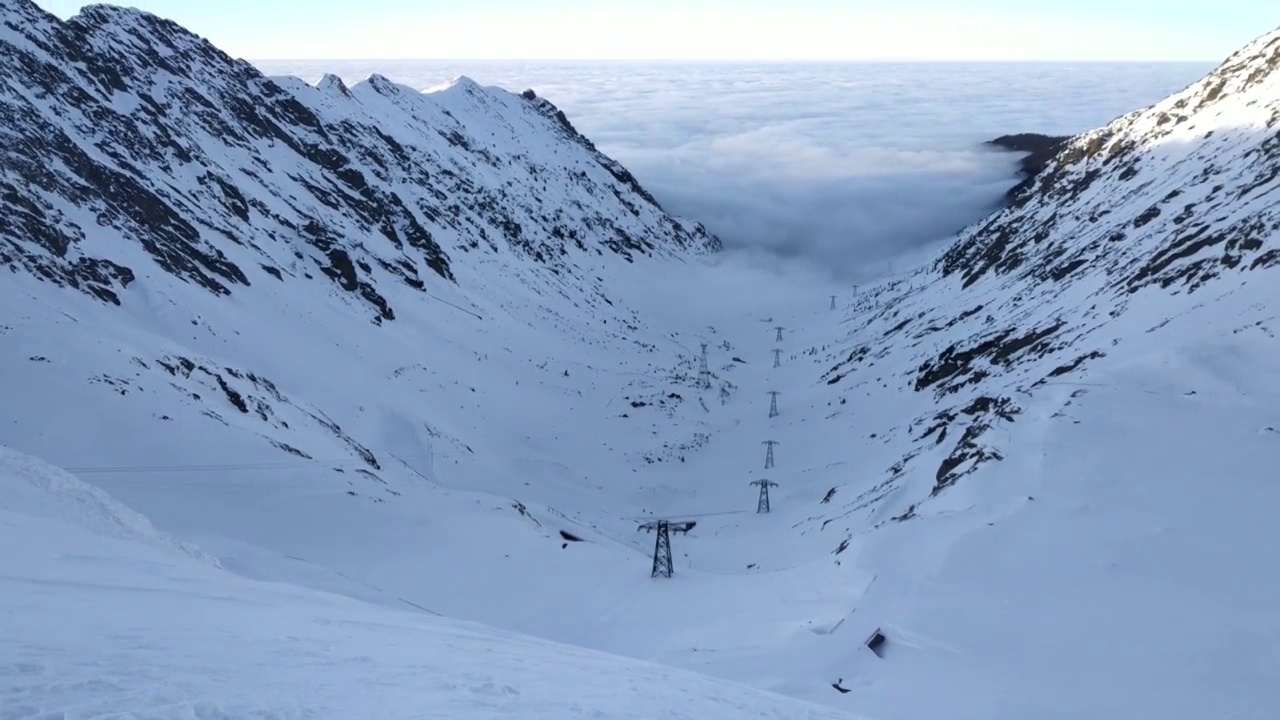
<point>833,302</point>
<point>779,329</point>
<point>768,456</point>
<point>704,374</point>
<point>661,547</point>
<point>773,403</point>
<point>777,357</point>
<point>662,544</point>
<point>763,505</point>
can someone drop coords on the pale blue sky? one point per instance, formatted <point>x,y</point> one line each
<point>719,29</point>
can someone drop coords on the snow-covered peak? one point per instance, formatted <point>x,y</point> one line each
<point>115,31</point>
<point>458,83</point>
<point>383,85</point>
<point>17,16</point>
<point>25,25</point>
<point>331,83</point>
<point>106,18</point>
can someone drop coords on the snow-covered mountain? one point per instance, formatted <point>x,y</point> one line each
<point>434,352</point>
<point>1129,230</point>
<point>130,140</point>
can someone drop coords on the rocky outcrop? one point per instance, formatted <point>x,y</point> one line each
<point>1038,151</point>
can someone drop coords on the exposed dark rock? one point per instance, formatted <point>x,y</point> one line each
<point>217,165</point>
<point>1038,149</point>
<point>953,364</point>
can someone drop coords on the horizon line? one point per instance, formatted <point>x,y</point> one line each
<point>725,61</point>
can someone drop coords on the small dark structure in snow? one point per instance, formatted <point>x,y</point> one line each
<point>570,536</point>
<point>875,642</point>
<point>837,686</point>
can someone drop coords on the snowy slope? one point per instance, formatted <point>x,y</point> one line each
<point>100,622</point>
<point>1054,441</point>
<point>1162,217</point>
<point>1039,465</point>
<point>300,306</point>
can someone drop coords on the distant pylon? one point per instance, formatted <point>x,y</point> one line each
<point>779,329</point>
<point>768,455</point>
<point>773,403</point>
<point>833,302</point>
<point>704,374</point>
<point>777,357</point>
<point>763,505</point>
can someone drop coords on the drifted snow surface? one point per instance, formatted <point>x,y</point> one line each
<point>104,616</point>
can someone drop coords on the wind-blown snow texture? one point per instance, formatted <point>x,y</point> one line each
<point>1040,465</point>
<point>109,623</point>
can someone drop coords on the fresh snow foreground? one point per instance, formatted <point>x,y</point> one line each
<point>105,616</point>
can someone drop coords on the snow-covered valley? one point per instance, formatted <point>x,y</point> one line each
<point>378,352</point>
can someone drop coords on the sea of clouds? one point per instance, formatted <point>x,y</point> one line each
<point>844,167</point>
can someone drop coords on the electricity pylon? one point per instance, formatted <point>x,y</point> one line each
<point>704,374</point>
<point>779,337</point>
<point>773,403</point>
<point>662,544</point>
<point>833,302</point>
<point>763,505</point>
<point>661,548</point>
<point>768,456</point>
<point>777,357</point>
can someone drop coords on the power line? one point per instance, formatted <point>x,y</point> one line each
<point>209,467</point>
<point>692,515</point>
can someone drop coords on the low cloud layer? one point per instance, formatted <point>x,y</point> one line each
<point>846,168</point>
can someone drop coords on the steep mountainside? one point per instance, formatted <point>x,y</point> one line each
<point>1158,219</point>
<point>433,351</point>
<point>129,140</point>
<point>1040,464</point>
<point>320,329</point>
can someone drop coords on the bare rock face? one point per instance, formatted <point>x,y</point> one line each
<point>1038,150</point>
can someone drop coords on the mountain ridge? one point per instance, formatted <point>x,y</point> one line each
<point>1002,454</point>
<point>1037,292</point>
<point>219,182</point>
